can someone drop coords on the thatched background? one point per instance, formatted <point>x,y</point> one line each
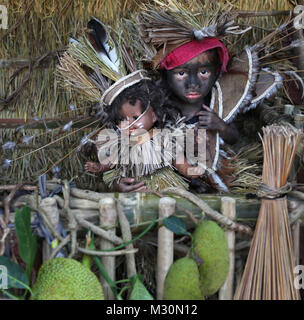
<point>38,32</point>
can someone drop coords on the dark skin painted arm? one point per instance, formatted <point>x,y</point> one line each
<point>129,185</point>
<point>187,170</point>
<point>209,120</point>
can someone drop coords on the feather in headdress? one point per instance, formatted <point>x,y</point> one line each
<point>101,42</point>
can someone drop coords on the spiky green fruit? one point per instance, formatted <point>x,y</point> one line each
<point>182,281</point>
<point>211,245</point>
<point>66,279</point>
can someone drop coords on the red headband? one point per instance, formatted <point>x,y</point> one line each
<point>191,49</point>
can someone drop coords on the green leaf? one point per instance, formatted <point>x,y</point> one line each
<point>105,275</point>
<point>176,225</point>
<point>27,241</point>
<point>87,259</point>
<point>139,291</point>
<point>17,277</point>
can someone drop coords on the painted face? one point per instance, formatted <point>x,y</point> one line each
<point>192,81</point>
<point>130,114</point>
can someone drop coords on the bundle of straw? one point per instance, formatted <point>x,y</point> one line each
<point>73,76</point>
<point>268,273</point>
<point>85,54</point>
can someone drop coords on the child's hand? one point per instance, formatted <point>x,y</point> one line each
<point>208,119</point>
<point>95,167</point>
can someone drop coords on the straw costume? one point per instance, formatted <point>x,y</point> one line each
<point>146,157</point>
<point>179,36</point>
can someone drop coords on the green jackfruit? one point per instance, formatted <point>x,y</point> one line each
<point>211,245</point>
<point>66,279</point>
<point>182,281</point>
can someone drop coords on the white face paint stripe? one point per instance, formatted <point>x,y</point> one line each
<point>130,125</point>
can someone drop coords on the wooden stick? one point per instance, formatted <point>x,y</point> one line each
<point>5,220</point>
<point>22,187</point>
<point>72,221</point>
<point>90,195</point>
<point>165,248</point>
<point>78,203</point>
<point>52,123</point>
<point>47,223</point>
<point>127,236</point>
<point>212,213</point>
<point>228,210</point>
<point>50,208</point>
<point>63,243</point>
<point>99,231</point>
<point>247,14</point>
<point>7,201</point>
<point>109,253</point>
<point>5,232</point>
<point>108,215</point>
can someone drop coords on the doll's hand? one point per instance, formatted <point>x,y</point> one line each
<point>129,185</point>
<point>95,167</point>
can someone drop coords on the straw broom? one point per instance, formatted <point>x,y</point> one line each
<point>268,274</point>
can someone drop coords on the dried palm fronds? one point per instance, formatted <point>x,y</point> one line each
<point>73,76</point>
<point>268,273</point>
<point>174,24</point>
<point>141,51</point>
<point>85,54</point>
<point>161,179</point>
<point>164,178</point>
<point>247,169</point>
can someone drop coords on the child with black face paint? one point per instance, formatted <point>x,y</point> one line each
<point>190,73</point>
<point>208,91</point>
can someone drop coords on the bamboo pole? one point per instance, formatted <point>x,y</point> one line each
<point>127,236</point>
<point>107,217</point>
<point>228,210</point>
<point>72,225</point>
<point>52,212</point>
<point>165,248</point>
<point>141,208</point>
